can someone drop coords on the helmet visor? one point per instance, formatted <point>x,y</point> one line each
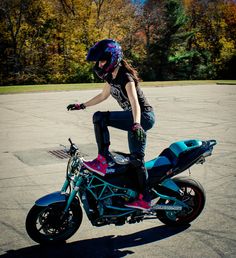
<point>93,54</point>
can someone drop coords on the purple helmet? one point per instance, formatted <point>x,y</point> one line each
<point>108,50</point>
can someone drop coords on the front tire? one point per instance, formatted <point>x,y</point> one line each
<point>49,224</point>
<point>194,196</point>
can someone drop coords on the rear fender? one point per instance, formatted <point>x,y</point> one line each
<point>55,197</point>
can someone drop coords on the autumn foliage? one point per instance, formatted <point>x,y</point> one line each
<point>46,41</point>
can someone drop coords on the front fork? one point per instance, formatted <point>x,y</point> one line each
<point>73,192</point>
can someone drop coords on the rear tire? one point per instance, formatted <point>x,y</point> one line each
<point>194,196</point>
<point>46,225</point>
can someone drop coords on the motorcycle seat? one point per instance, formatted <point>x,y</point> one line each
<point>157,168</point>
<point>183,154</point>
<point>160,164</point>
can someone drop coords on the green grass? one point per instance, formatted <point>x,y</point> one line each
<point>90,86</point>
<point>48,87</point>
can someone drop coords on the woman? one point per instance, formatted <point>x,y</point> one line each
<point>136,118</point>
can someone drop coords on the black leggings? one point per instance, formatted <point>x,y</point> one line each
<point>124,120</point>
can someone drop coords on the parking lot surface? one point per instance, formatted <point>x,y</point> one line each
<point>34,126</point>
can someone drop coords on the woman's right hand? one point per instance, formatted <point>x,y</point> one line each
<point>76,106</point>
<point>138,132</point>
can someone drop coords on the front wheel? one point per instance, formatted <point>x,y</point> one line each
<point>193,196</point>
<point>50,225</point>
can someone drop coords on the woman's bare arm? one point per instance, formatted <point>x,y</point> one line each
<point>100,97</point>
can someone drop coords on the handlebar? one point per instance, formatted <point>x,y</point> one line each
<point>71,143</point>
<point>73,148</point>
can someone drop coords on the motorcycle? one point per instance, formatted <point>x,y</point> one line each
<point>175,201</point>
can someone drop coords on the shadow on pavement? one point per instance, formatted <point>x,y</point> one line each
<point>101,247</point>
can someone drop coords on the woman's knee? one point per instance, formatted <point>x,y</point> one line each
<point>100,117</point>
<point>147,120</point>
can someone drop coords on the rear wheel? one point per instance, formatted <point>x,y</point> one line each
<point>193,196</point>
<point>50,224</point>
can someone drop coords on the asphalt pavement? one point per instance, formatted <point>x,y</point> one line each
<point>33,128</point>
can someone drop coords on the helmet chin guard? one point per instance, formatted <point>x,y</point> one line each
<point>109,50</point>
<point>100,72</point>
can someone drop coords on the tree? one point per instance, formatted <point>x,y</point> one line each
<point>213,42</point>
<point>46,41</point>
<point>163,23</point>
<point>25,27</point>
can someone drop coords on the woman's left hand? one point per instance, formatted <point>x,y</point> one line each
<point>138,131</point>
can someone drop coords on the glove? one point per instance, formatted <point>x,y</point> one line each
<point>76,106</point>
<point>138,132</point>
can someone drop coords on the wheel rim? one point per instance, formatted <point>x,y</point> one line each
<point>191,197</point>
<point>52,223</point>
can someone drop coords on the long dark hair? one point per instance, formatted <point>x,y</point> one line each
<point>130,69</point>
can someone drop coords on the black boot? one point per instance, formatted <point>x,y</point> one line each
<point>143,200</point>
